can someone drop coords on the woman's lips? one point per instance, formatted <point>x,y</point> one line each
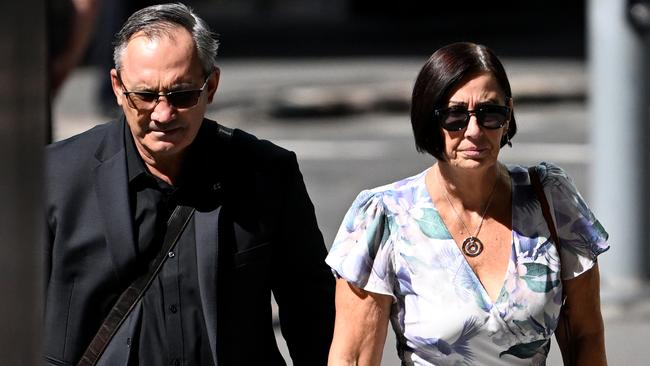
<point>474,151</point>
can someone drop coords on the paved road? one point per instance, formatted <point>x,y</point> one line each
<point>364,146</point>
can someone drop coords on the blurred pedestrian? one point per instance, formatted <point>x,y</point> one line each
<point>71,24</point>
<point>169,232</point>
<point>469,260</point>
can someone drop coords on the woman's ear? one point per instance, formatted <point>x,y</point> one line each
<point>505,137</point>
<point>510,105</point>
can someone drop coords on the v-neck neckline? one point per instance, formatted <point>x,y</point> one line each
<point>465,263</point>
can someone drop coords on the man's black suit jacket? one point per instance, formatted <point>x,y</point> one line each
<point>266,233</point>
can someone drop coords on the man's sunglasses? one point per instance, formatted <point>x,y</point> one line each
<point>146,101</point>
<point>456,118</point>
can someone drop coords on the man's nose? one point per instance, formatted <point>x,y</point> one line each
<point>163,111</point>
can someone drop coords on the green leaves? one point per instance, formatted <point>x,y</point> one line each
<point>432,226</point>
<point>524,350</point>
<point>537,277</point>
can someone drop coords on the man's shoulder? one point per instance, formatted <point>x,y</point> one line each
<point>89,139</point>
<point>246,147</point>
<point>256,147</point>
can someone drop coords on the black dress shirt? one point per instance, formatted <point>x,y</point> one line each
<point>172,329</point>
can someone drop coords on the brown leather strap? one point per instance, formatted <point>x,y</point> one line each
<point>546,211</point>
<point>129,298</point>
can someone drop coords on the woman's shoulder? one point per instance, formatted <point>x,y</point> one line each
<point>363,251</point>
<point>550,174</point>
<point>404,190</point>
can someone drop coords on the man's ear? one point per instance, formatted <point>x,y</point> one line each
<point>213,83</point>
<point>116,84</point>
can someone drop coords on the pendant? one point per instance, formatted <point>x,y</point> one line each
<point>472,246</point>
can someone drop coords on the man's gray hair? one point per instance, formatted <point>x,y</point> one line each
<point>160,20</point>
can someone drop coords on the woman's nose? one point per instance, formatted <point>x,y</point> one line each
<point>473,127</point>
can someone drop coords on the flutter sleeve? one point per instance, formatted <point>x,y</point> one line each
<point>582,237</point>
<point>362,252</point>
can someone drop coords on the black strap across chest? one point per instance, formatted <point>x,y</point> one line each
<point>129,298</point>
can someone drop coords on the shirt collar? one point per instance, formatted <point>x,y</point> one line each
<point>134,164</point>
<point>198,174</point>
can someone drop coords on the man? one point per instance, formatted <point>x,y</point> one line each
<point>252,231</point>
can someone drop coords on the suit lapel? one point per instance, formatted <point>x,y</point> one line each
<point>111,185</point>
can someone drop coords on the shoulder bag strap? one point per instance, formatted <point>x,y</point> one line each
<point>225,132</point>
<point>127,301</point>
<point>546,211</point>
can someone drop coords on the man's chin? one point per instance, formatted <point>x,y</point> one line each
<point>160,144</point>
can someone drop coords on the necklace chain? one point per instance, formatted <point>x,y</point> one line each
<point>472,240</point>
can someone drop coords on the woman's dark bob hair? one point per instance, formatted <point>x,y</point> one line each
<point>446,70</point>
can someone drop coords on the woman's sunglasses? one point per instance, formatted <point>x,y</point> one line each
<point>456,118</point>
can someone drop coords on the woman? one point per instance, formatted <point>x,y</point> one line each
<point>459,257</point>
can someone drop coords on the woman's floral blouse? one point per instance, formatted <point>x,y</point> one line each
<point>393,241</point>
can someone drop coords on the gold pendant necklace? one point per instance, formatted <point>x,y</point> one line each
<point>472,246</point>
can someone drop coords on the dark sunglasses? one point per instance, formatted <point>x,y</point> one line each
<point>456,118</point>
<point>146,101</point>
